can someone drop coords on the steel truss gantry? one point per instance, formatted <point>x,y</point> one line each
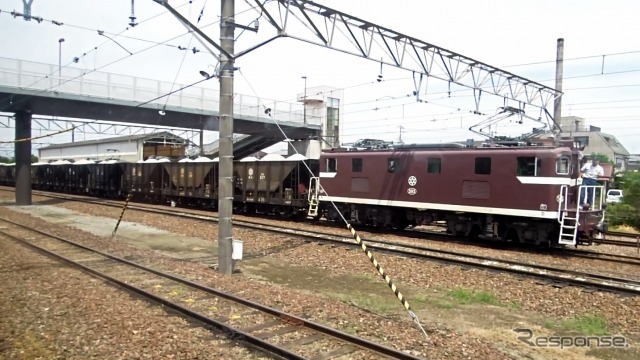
<point>336,30</point>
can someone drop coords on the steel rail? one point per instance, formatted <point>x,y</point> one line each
<point>236,334</point>
<point>624,243</point>
<point>632,287</point>
<point>623,234</point>
<point>412,234</point>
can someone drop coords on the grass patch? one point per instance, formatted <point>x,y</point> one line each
<point>624,228</point>
<point>466,296</point>
<point>515,305</point>
<point>587,325</point>
<point>444,304</point>
<point>364,276</point>
<point>550,324</point>
<point>377,304</point>
<point>421,300</point>
<point>32,346</point>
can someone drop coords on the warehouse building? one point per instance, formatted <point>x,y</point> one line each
<point>125,148</point>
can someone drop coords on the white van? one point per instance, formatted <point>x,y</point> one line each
<point>614,196</point>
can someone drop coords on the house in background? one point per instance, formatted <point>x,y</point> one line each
<point>594,140</point>
<point>634,162</point>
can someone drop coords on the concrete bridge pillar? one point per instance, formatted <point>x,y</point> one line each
<point>23,157</point>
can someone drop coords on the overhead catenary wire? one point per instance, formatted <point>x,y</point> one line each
<point>119,34</point>
<point>593,56</point>
<point>91,71</point>
<point>253,7</point>
<point>184,56</point>
<point>455,95</point>
<point>345,104</point>
<point>357,238</point>
<point>154,44</point>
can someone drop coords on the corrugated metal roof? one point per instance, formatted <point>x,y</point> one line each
<point>163,134</point>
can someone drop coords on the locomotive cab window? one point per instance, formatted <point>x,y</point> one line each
<point>393,165</point>
<point>434,165</point>
<point>356,165</point>
<point>332,165</point>
<point>562,165</point>
<point>528,166</point>
<point>483,165</point>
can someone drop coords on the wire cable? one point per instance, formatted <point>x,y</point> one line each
<point>359,241</point>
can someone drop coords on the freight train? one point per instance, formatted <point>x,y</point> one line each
<point>524,194</point>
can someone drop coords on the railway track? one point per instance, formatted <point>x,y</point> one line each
<point>625,243</point>
<point>623,234</point>
<point>553,275</point>
<point>580,253</point>
<point>269,330</point>
<point>409,234</point>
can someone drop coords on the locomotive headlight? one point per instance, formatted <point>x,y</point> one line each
<point>543,207</point>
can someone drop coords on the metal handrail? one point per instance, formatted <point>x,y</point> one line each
<point>35,76</point>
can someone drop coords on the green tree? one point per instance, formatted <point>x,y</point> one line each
<point>631,185</point>
<point>628,211</point>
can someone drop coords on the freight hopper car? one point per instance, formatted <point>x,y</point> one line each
<point>8,174</point>
<point>273,185</point>
<point>99,178</point>
<point>520,194</point>
<point>185,182</point>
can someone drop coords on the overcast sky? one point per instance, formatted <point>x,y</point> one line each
<point>602,52</point>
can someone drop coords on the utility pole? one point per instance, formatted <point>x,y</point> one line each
<point>60,41</point>
<point>400,136</point>
<point>225,180</point>
<point>557,104</point>
<point>201,142</point>
<point>304,101</point>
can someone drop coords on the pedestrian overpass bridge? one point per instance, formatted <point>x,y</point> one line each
<point>30,88</point>
<point>45,89</point>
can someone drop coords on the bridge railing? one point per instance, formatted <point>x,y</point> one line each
<point>48,78</point>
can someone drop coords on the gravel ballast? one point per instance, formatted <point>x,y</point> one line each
<point>445,340</point>
<point>48,310</point>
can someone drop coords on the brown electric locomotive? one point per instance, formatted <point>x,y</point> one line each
<point>520,194</point>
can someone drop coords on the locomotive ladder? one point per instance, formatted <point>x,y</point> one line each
<point>568,225</point>
<point>314,185</point>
